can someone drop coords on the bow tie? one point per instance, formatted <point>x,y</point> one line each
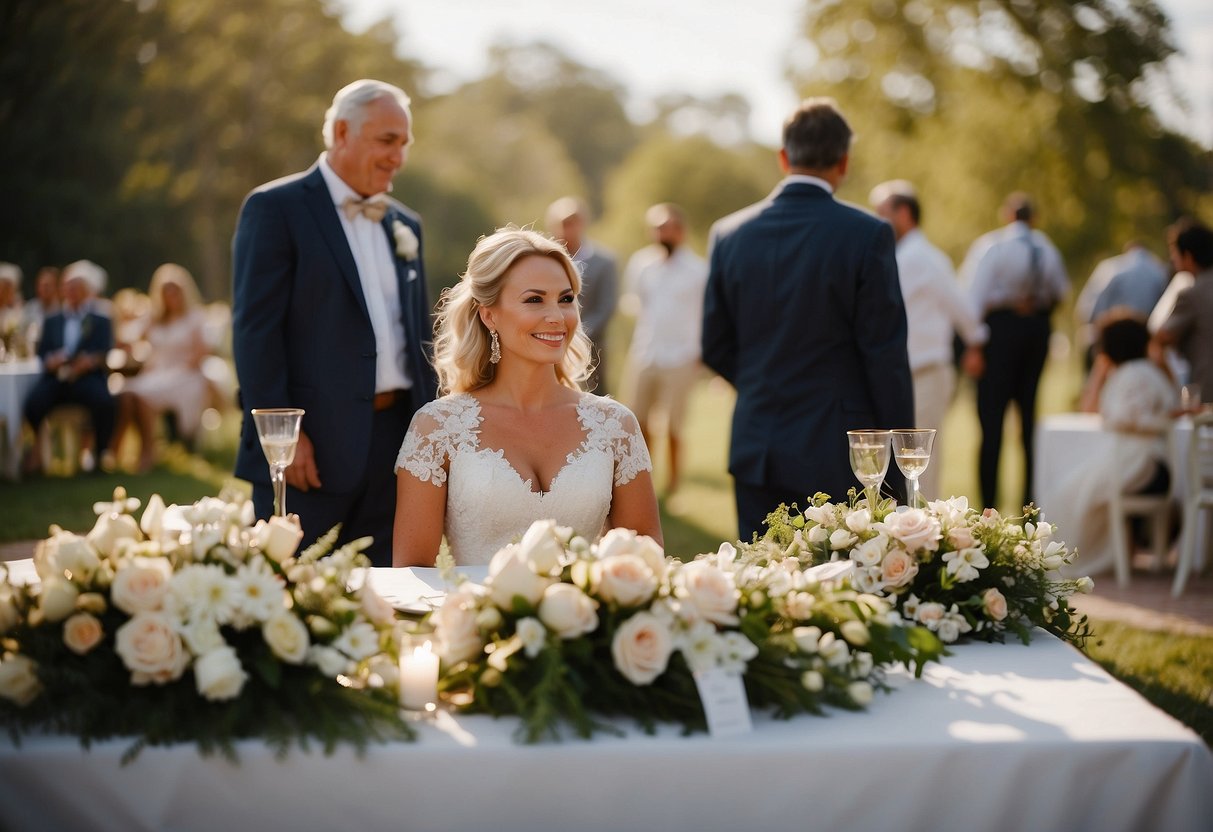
<point>373,207</point>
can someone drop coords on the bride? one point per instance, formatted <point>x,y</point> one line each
<point>515,439</point>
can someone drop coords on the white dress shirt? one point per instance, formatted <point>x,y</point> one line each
<point>1004,275</point>
<point>670,315</point>
<point>373,253</point>
<point>935,305</point>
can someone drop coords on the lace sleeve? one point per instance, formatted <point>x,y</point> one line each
<point>618,429</point>
<point>426,450</point>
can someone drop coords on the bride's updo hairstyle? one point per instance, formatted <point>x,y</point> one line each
<point>461,340</point>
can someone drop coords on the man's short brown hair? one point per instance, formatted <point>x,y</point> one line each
<point>816,136</point>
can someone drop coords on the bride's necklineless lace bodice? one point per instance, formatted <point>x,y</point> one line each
<point>489,504</point>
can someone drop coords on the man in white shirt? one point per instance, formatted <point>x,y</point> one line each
<point>666,282</point>
<point>935,307</point>
<point>1016,279</point>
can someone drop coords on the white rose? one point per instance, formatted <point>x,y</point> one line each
<point>641,648</point>
<point>567,611</point>
<point>994,603</point>
<point>331,663</point>
<point>533,636</point>
<point>112,528</point>
<point>915,528</point>
<point>898,568</point>
<point>140,585</point>
<point>278,538</point>
<point>219,675</point>
<point>624,579</point>
<point>859,521</point>
<point>286,637</point>
<point>456,632</point>
<point>201,636</point>
<point>82,632</point>
<point>856,633</point>
<point>930,614</point>
<point>961,537</point>
<point>541,548</point>
<point>510,576</point>
<point>871,552</point>
<point>617,542</point>
<point>860,693</point>
<point>151,649</point>
<point>648,550</point>
<point>812,681</point>
<point>10,616</point>
<point>19,679</point>
<point>57,599</point>
<point>818,534</point>
<point>407,244</point>
<point>66,552</point>
<point>709,590</point>
<point>842,539</point>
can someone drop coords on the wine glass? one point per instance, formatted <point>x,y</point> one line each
<point>869,460</point>
<point>912,450</point>
<point>278,430</point>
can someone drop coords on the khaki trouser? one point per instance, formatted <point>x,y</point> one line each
<point>933,389</point>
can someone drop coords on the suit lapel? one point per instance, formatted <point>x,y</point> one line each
<point>320,202</point>
<point>406,271</point>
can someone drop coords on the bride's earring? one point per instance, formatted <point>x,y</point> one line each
<point>494,348</point>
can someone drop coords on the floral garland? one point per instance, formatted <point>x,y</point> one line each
<point>193,624</point>
<point>562,630</point>
<point>956,571</point>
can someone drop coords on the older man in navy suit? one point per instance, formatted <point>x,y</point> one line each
<point>804,316</point>
<point>330,314</point>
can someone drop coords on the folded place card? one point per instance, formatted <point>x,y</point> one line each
<point>724,702</point>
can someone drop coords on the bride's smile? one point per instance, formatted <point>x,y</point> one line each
<point>536,313</point>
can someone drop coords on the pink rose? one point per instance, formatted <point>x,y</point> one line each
<point>641,648</point>
<point>898,568</point>
<point>82,632</point>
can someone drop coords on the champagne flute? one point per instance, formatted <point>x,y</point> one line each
<point>278,430</point>
<point>912,450</point>
<point>869,460</point>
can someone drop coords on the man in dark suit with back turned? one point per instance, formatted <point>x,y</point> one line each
<point>804,316</point>
<point>330,314</point>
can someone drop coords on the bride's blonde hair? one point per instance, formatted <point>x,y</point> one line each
<point>462,341</point>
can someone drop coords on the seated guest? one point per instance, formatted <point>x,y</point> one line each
<point>73,347</point>
<point>1136,402</point>
<point>171,378</point>
<point>43,304</point>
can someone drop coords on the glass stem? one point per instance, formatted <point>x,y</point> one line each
<point>279,491</point>
<point>912,492</point>
<point>873,493</point>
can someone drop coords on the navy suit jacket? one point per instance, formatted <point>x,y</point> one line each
<point>96,336</point>
<point>804,316</point>
<point>301,333</point>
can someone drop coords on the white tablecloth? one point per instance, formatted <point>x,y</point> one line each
<point>16,380</point>
<point>1003,737</point>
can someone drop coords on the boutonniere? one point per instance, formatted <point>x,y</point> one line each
<point>407,243</point>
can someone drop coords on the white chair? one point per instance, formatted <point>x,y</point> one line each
<point>1155,507</point>
<point>1199,497</point>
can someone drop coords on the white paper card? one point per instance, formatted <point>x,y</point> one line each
<point>724,702</point>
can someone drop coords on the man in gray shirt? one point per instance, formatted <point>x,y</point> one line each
<point>1135,279</point>
<point>1189,328</point>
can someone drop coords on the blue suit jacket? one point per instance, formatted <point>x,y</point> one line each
<point>804,316</point>
<point>96,336</point>
<point>301,333</point>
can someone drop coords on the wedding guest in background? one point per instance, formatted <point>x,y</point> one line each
<point>667,280</point>
<point>171,379</point>
<point>1134,279</point>
<point>330,314</point>
<point>804,316</point>
<point>73,347</point>
<point>514,438</point>
<point>1189,326</point>
<point>935,308</point>
<point>1017,279</point>
<point>567,219</point>
<point>1136,402</point>
<point>43,304</point>
<point>1180,280</point>
<point>10,297</point>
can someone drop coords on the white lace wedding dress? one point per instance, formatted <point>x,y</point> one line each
<point>489,504</point>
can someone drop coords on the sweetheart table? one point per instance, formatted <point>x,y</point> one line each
<point>1002,737</point>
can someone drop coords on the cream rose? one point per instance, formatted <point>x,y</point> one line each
<point>961,537</point>
<point>641,648</point>
<point>859,521</point>
<point>994,603</point>
<point>19,679</point>
<point>510,576</point>
<point>870,552</point>
<point>219,675</point>
<point>151,649</point>
<point>915,528</point>
<point>112,528</point>
<point>709,590</point>
<point>66,552</point>
<point>57,599</point>
<point>929,614</point>
<point>624,579</point>
<point>286,636</point>
<point>617,542</point>
<point>541,548</point>
<point>140,585</point>
<point>898,568</point>
<point>82,632</point>
<point>567,611</point>
<point>278,537</point>
<point>457,636</point>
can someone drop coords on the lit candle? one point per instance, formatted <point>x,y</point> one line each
<point>418,677</point>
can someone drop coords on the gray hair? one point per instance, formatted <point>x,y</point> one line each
<point>350,103</point>
<point>88,271</point>
<point>11,273</point>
